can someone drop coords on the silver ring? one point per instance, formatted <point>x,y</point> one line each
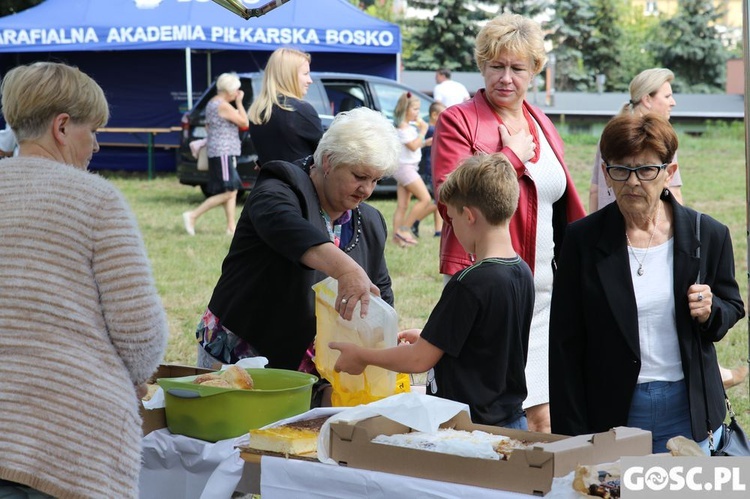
<point>344,300</point>
<point>700,296</point>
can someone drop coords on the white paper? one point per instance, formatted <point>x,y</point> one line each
<point>156,401</point>
<point>248,363</point>
<point>292,478</point>
<point>417,411</point>
<point>180,467</point>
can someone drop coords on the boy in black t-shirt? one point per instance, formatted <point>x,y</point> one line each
<point>476,338</point>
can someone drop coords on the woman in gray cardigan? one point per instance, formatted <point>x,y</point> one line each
<point>81,324</point>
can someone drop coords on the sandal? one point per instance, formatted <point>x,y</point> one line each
<point>403,241</point>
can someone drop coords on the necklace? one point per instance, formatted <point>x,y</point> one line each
<point>640,271</point>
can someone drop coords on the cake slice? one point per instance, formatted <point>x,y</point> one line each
<point>299,437</point>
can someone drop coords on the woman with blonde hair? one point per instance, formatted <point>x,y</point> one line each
<point>285,127</point>
<point>225,117</point>
<point>510,53</point>
<point>412,130</point>
<point>650,91</point>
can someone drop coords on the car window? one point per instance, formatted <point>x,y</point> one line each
<point>345,95</point>
<point>316,96</point>
<point>387,96</point>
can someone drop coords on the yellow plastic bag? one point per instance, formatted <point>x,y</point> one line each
<point>342,398</point>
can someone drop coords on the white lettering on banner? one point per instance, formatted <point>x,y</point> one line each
<point>276,36</point>
<point>39,36</point>
<point>359,37</point>
<point>155,34</point>
<point>226,34</point>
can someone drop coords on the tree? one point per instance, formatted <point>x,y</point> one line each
<point>14,6</point>
<point>605,42</point>
<point>527,8</point>
<point>446,38</point>
<point>570,32</point>
<point>637,31</point>
<point>691,47</point>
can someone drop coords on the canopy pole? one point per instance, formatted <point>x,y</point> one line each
<point>209,69</point>
<point>398,66</point>
<point>746,65</point>
<point>189,78</point>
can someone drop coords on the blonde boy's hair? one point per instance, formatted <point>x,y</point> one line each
<point>486,182</point>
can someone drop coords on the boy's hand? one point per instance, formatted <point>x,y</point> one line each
<point>349,361</point>
<point>409,336</point>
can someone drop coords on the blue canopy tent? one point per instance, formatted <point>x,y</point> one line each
<point>154,57</point>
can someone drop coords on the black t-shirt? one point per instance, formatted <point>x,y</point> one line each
<point>288,135</point>
<point>482,324</point>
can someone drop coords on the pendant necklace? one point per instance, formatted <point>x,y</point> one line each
<point>640,270</point>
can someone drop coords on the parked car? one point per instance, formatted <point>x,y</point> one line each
<point>329,94</point>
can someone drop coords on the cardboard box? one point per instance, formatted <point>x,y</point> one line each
<point>155,419</point>
<point>526,471</point>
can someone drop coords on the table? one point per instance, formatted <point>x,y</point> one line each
<point>150,134</point>
<point>292,478</point>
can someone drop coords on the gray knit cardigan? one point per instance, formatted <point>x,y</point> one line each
<point>80,323</point>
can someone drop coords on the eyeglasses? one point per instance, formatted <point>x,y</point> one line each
<point>643,172</point>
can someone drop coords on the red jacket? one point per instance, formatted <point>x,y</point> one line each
<point>471,127</point>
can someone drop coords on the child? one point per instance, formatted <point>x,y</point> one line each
<point>411,131</point>
<point>425,164</point>
<point>476,338</point>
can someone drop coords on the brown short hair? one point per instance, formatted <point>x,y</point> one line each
<point>33,94</point>
<point>486,182</point>
<point>630,135</point>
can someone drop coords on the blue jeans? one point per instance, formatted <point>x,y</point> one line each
<point>518,424</point>
<point>661,407</point>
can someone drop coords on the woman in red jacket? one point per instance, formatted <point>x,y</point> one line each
<point>510,53</point>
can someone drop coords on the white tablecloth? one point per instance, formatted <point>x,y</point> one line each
<point>179,467</point>
<point>290,478</point>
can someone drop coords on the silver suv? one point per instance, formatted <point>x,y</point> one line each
<point>328,94</point>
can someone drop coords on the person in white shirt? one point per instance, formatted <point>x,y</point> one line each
<point>447,91</point>
<point>8,143</point>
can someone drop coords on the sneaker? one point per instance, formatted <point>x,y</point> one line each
<point>189,224</point>
<point>415,229</point>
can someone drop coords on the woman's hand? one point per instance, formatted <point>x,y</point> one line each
<point>354,286</point>
<point>699,300</point>
<point>522,143</point>
<point>141,390</point>
<point>409,336</point>
<point>349,361</point>
<point>238,99</point>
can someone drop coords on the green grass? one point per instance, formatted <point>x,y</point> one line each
<point>186,268</point>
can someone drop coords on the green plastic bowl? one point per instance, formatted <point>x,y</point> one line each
<point>212,413</point>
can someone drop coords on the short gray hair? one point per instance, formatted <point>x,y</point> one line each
<point>360,137</point>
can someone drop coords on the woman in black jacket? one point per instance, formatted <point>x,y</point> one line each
<point>298,226</point>
<point>631,319</point>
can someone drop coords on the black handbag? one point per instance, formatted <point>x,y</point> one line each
<point>733,440</point>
